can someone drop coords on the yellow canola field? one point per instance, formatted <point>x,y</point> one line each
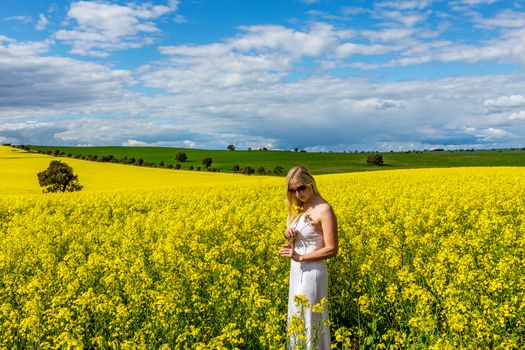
<point>19,169</point>
<point>428,258</point>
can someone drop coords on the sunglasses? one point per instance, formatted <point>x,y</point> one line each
<point>297,189</point>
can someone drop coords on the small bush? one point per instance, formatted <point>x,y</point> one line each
<point>375,159</point>
<point>206,162</point>
<point>248,170</point>
<point>181,157</point>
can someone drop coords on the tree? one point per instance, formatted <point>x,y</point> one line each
<point>375,159</point>
<point>206,162</point>
<point>230,147</point>
<point>248,170</point>
<point>278,170</point>
<point>181,157</point>
<point>59,177</point>
<point>108,158</point>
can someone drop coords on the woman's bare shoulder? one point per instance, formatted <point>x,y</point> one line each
<point>325,209</point>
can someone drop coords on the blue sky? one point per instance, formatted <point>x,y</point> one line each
<point>315,74</point>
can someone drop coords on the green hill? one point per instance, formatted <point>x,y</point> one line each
<point>317,162</point>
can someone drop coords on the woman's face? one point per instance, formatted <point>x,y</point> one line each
<point>302,192</point>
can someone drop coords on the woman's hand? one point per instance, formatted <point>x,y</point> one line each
<point>290,235</point>
<point>289,251</point>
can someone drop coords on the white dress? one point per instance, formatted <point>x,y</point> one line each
<point>311,280</point>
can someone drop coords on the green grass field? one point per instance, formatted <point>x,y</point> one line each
<point>318,163</point>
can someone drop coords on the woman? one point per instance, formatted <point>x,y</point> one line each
<point>312,237</point>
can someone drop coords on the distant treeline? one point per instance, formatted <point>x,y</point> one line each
<point>276,162</point>
<point>206,162</point>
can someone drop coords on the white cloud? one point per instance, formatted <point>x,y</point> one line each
<point>404,18</point>
<point>504,19</point>
<point>103,27</point>
<point>179,19</point>
<point>42,22</point>
<point>351,10</point>
<point>392,34</point>
<point>506,101</point>
<point>7,140</point>
<point>202,50</point>
<point>517,116</point>
<point>6,39</point>
<point>508,48</point>
<point>32,81</point>
<point>345,110</point>
<point>173,4</point>
<point>332,112</point>
<point>131,142</point>
<point>23,19</point>
<point>382,105</point>
<point>349,49</point>
<point>490,134</point>
<point>220,71</point>
<point>405,4</point>
<point>23,49</point>
<point>473,2</point>
<point>471,53</point>
<point>320,38</point>
<point>408,45</point>
<point>260,55</point>
<point>30,132</point>
<point>310,2</point>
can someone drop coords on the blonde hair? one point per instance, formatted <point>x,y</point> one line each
<point>302,175</point>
